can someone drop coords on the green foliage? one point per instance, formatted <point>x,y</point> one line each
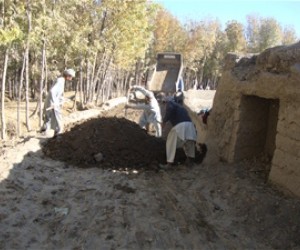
<point>10,35</point>
<point>119,33</point>
<point>235,35</point>
<point>270,34</point>
<point>263,33</point>
<point>10,31</point>
<point>289,35</point>
<point>128,30</point>
<point>169,35</point>
<point>205,47</point>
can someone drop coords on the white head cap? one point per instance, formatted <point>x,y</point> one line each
<point>69,72</point>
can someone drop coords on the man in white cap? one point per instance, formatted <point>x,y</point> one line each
<point>151,109</point>
<point>52,115</point>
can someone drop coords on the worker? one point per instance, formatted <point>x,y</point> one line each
<point>178,97</point>
<point>183,133</point>
<point>52,115</point>
<point>151,113</point>
<point>203,114</point>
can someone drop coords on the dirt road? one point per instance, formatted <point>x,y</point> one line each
<point>49,204</point>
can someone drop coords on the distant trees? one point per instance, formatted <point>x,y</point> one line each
<point>10,34</point>
<point>204,43</point>
<point>263,33</point>
<point>169,34</point>
<point>102,40</point>
<point>288,35</point>
<point>109,43</point>
<point>236,40</point>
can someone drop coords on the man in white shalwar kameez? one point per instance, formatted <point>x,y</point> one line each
<point>183,133</point>
<point>52,115</point>
<point>151,109</point>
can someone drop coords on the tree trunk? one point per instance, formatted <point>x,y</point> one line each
<point>126,83</point>
<point>3,122</point>
<point>10,92</point>
<point>27,66</point>
<point>39,104</point>
<point>16,84</point>
<point>97,76</point>
<point>103,81</point>
<point>42,83</point>
<point>201,71</point>
<point>20,96</point>
<point>81,97</point>
<point>34,113</point>
<point>27,88</point>
<point>93,80</point>
<point>88,75</point>
<point>138,76</point>
<point>98,92</point>
<point>74,108</point>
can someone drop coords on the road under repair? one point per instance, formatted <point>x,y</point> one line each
<point>64,203</point>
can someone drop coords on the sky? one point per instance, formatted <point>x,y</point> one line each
<point>287,13</point>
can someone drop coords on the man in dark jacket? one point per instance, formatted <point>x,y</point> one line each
<point>183,133</point>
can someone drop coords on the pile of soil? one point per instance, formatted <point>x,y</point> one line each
<point>122,143</point>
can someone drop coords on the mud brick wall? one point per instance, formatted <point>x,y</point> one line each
<point>286,161</point>
<point>256,110</point>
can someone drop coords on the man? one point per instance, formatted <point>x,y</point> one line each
<point>52,115</point>
<point>204,113</point>
<point>183,133</point>
<point>178,97</point>
<point>151,109</point>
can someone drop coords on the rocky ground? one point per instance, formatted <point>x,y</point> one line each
<point>54,194</point>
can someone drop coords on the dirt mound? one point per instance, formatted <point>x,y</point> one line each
<point>119,141</point>
<point>122,143</point>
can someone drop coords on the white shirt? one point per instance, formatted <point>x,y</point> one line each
<point>151,109</point>
<point>57,92</point>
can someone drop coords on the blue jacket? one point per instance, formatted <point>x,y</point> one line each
<point>176,113</point>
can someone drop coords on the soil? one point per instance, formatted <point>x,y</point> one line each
<point>55,195</point>
<point>107,136</point>
<point>120,141</point>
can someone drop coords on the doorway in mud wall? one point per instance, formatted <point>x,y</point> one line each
<point>257,128</point>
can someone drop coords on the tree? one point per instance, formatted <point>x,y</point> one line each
<point>3,120</point>
<point>235,35</point>
<point>269,34</point>
<point>109,43</point>
<point>263,33</point>
<point>203,51</point>
<point>289,35</point>
<point>252,33</point>
<point>9,34</point>
<point>169,34</point>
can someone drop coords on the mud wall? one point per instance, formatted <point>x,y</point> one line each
<point>256,110</point>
